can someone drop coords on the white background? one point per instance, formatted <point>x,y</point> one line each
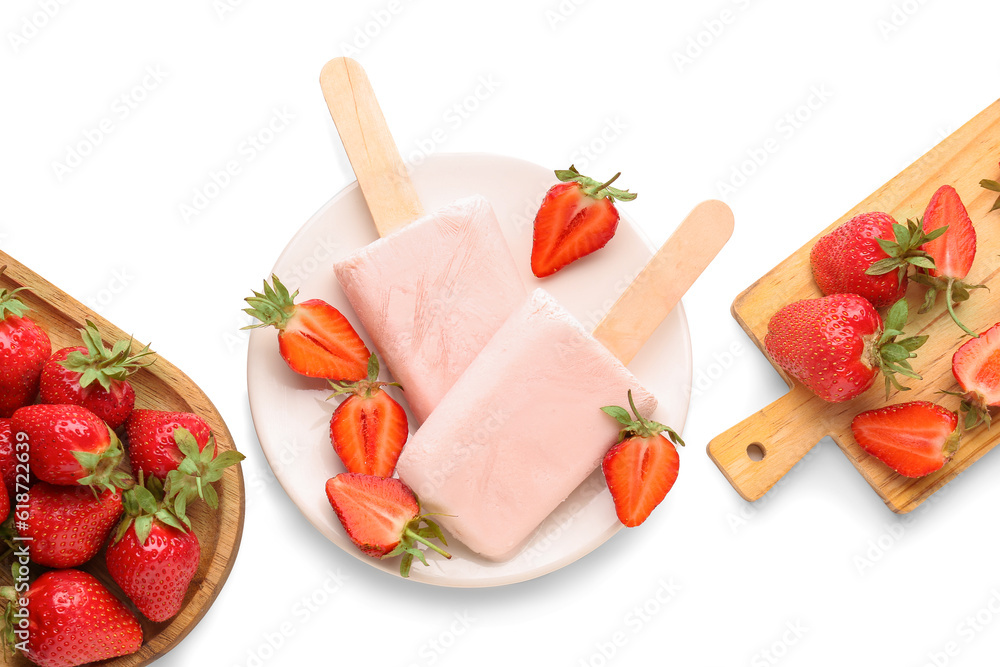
<point>817,573</point>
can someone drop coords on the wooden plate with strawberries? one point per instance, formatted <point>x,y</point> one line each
<point>758,451</point>
<point>160,386</point>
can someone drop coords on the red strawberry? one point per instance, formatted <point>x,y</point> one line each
<point>8,457</point>
<point>976,366</point>
<point>152,446</point>
<point>577,217</point>
<point>67,525</point>
<point>952,252</point>
<point>914,439</point>
<point>94,376</point>
<point>24,347</point>
<point>314,338</point>
<point>72,619</point>
<point>155,572</point>
<point>368,429</point>
<point>642,467</point>
<point>382,517</point>
<point>869,256</point>
<point>837,344</point>
<point>71,445</point>
<point>4,503</point>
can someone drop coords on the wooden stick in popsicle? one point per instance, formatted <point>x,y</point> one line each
<point>382,175</point>
<point>667,276</point>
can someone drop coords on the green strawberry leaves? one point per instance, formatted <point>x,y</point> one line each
<point>639,426</point>
<point>413,534</point>
<point>595,189</point>
<point>993,186</point>
<point>893,356</point>
<point>8,304</point>
<point>273,307</point>
<point>102,365</point>
<point>904,250</point>
<point>367,387</point>
<point>103,467</point>
<point>194,476</point>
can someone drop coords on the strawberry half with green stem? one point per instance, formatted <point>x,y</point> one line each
<point>976,367</point>
<point>154,555</point>
<point>914,439</point>
<point>382,517</point>
<point>72,619</point>
<point>67,525</point>
<point>870,255</point>
<point>952,252</point>
<point>577,217</point>
<point>71,445</point>
<point>24,348</point>
<point>368,429</point>
<point>95,376</point>
<point>314,338</point>
<point>837,345</point>
<point>152,445</point>
<point>641,469</point>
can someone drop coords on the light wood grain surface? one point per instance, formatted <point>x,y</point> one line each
<point>788,428</point>
<point>161,386</point>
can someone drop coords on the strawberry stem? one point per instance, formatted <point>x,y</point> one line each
<point>951,309</point>
<point>419,538</point>
<point>613,179</point>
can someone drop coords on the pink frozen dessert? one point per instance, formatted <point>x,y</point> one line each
<point>520,430</point>
<point>432,294</point>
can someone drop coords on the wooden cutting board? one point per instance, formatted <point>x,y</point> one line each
<point>161,386</point>
<point>787,429</point>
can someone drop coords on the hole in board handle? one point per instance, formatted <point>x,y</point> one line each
<point>755,451</point>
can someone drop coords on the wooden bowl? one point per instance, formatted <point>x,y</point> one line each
<point>161,386</point>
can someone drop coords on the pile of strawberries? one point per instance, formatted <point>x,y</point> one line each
<point>67,493</point>
<point>837,345</point>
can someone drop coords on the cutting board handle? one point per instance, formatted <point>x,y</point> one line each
<point>648,300</point>
<point>737,451</point>
<point>382,174</point>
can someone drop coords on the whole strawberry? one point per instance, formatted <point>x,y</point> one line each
<point>314,338</point>
<point>73,620</point>
<point>152,443</point>
<point>577,217</point>
<point>952,252</point>
<point>67,525</point>
<point>382,517</point>
<point>641,469</point>
<point>836,345</point>
<point>69,444</point>
<point>869,255</point>
<point>914,439</point>
<point>8,457</point>
<point>24,347</point>
<point>368,429</point>
<point>153,557</point>
<point>94,376</point>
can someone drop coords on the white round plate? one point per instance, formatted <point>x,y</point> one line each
<point>292,417</point>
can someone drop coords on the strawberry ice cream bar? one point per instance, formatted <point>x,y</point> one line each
<point>520,430</point>
<point>432,294</point>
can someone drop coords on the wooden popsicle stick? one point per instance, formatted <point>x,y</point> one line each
<point>382,175</point>
<point>667,276</point>
<point>761,449</point>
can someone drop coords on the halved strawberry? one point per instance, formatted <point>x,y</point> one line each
<point>382,517</point>
<point>976,366</point>
<point>642,467</point>
<point>952,252</point>
<point>368,429</point>
<point>577,217</point>
<point>914,439</point>
<point>314,338</point>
